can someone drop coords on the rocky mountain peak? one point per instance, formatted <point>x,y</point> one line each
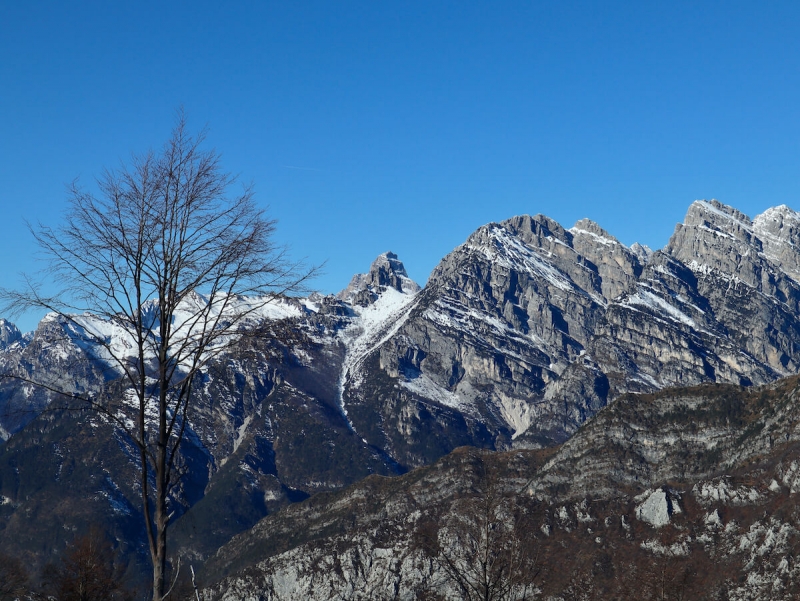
<point>642,252</point>
<point>719,238</point>
<point>784,210</point>
<point>9,333</point>
<point>778,225</point>
<point>715,212</point>
<point>715,216</point>
<point>535,232</point>
<point>386,271</point>
<point>588,227</point>
<point>778,228</point>
<point>539,230</point>
<point>617,264</point>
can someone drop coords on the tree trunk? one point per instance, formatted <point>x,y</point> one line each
<point>162,484</point>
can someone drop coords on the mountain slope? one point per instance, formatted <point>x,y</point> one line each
<point>686,493</point>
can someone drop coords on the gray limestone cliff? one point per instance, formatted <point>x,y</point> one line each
<point>529,328</point>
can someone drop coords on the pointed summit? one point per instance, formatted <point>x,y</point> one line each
<point>386,271</point>
<point>642,252</point>
<point>9,333</point>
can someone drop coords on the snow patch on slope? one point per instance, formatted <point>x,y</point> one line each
<point>645,298</point>
<point>427,388</point>
<point>509,251</point>
<point>597,237</point>
<point>372,326</point>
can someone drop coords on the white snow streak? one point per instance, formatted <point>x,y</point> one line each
<point>597,237</point>
<point>372,326</point>
<point>509,251</point>
<point>427,388</point>
<point>655,303</point>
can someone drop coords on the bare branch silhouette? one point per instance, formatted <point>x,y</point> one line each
<point>158,274</point>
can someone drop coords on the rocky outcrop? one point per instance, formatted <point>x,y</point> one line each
<point>386,271</point>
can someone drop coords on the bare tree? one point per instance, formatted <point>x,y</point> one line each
<point>176,264</point>
<point>87,572</point>
<point>479,548</point>
<point>13,578</point>
<point>667,577</point>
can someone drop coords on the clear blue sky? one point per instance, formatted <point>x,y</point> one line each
<point>374,126</point>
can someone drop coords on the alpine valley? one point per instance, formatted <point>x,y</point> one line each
<point>625,422</point>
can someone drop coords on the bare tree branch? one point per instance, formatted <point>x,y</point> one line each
<point>158,275</point>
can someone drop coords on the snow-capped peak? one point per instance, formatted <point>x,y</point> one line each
<point>9,333</point>
<point>386,271</point>
<point>382,301</point>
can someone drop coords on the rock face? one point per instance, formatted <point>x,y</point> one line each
<point>529,328</point>
<point>656,508</point>
<point>9,334</point>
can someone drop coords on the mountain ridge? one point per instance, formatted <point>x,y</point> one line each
<point>522,334</point>
<point>598,519</point>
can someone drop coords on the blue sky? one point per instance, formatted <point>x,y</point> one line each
<point>374,126</point>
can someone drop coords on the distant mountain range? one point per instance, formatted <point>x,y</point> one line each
<point>521,335</point>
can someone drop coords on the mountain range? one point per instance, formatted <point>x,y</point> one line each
<point>520,337</point>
